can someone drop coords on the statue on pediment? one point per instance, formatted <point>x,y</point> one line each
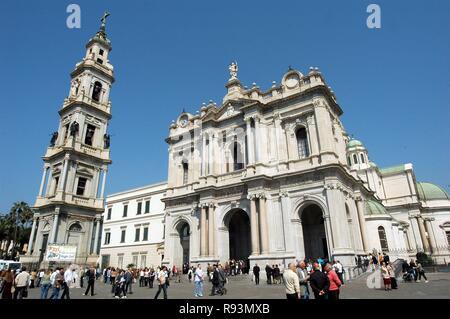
<point>233,67</point>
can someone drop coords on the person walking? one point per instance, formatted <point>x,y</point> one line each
<point>303,278</point>
<point>339,269</point>
<point>269,274</point>
<point>56,279</point>
<point>291,282</point>
<point>162,282</point>
<point>33,278</point>
<point>40,275</point>
<point>420,272</point>
<point>256,271</point>
<point>335,283</point>
<point>45,284</point>
<point>68,278</point>
<point>222,280</point>
<point>82,277</point>
<point>198,281</point>
<point>392,275</point>
<point>151,277</point>
<point>8,281</point>
<point>386,276</point>
<point>319,282</point>
<point>128,281</point>
<point>215,280</point>
<point>189,274</point>
<point>91,275</point>
<point>22,281</point>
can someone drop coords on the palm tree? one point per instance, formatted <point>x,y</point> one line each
<point>20,215</point>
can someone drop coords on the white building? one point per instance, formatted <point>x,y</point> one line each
<point>133,227</point>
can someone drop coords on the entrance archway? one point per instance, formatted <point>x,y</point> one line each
<point>239,235</point>
<point>182,244</point>
<point>314,236</point>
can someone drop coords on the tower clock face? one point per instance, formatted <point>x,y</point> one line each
<point>292,81</point>
<point>183,121</point>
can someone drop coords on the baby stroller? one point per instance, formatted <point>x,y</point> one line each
<point>408,275</point>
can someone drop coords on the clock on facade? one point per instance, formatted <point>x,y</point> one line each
<point>292,80</point>
<point>183,121</point>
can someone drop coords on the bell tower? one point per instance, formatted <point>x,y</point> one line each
<point>70,203</point>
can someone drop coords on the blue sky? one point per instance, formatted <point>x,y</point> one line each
<point>392,83</point>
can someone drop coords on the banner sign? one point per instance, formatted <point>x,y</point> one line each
<point>61,253</point>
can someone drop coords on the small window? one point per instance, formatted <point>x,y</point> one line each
<point>99,60</point>
<point>90,131</point>
<point>81,187</point>
<point>383,239</point>
<point>135,260</point>
<point>101,52</point>
<point>96,91</point>
<point>139,208</point>
<point>362,158</point>
<point>349,161</point>
<point>125,210</point>
<point>137,234</point>
<point>107,238</point>
<point>145,233</point>
<point>355,159</point>
<point>185,173</point>
<point>122,236</point>
<point>66,131</point>
<point>147,206</point>
<point>109,213</point>
<point>302,142</point>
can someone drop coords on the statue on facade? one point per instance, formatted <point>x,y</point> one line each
<point>74,127</point>
<point>53,139</point>
<point>233,70</point>
<point>107,140</point>
<point>75,87</point>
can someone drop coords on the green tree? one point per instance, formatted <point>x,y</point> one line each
<point>20,217</point>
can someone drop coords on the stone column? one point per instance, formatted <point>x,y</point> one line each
<point>281,140</point>
<point>44,174</point>
<point>254,226</point>
<point>323,121</point>
<point>423,235</point>
<point>203,231</point>
<point>31,241</point>
<point>362,224</point>
<point>97,235</point>
<point>211,230</point>
<point>257,141</point>
<point>204,163</point>
<point>105,172</point>
<point>49,180</point>
<point>406,238</point>
<point>250,142</point>
<point>54,228</point>
<point>210,154</point>
<point>62,180</point>
<point>263,225</point>
<point>432,240</point>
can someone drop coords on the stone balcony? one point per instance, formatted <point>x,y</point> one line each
<point>85,99</point>
<point>70,199</point>
<point>70,144</point>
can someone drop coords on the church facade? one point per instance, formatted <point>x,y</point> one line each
<point>271,177</point>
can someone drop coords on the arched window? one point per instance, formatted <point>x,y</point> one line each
<point>355,159</point>
<point>383,240</point>
<point>185,172</point>
<point>237,156</point>
<point>75,227</point>
<point>96,91</point>
<point>347,211</point>
<point>349,161</point>
<point>302,143</point>
<point>362,158</point>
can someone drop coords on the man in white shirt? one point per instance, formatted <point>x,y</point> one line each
<point>291,282</point>
<point>198,281</point>
<point>339,269</point>
<point>68,278</point>
<point>22,281</point>
<point>40,275</point>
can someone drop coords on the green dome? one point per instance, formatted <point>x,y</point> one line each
<point>375,208</point>
<point>429,191</point>
<point>354,143</point>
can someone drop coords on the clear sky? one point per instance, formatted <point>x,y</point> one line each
<point>393,83</point>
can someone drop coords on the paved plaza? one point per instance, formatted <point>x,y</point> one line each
<point>242,288</point>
